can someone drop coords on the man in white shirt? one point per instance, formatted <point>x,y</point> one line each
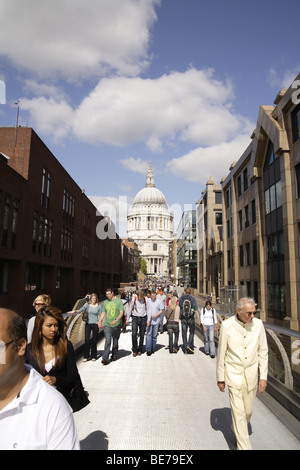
<point>154,309</point>
<point>242,352</point>
<point>33,415</point>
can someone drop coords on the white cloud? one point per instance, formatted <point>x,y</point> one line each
<point>49,116</point>
<point>79,38</point>
<point>201,163</point>
<point>192,106</point>
<point>135,164</point>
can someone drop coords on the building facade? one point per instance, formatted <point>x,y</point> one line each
<point>261,216</point>
<point>150,225</point>
<point>48,239</point>
<point>209,224</point>
<point>186,244</point>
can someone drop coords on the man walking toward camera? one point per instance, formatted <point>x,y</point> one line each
<point>242,352</point>
<point>112,313</point>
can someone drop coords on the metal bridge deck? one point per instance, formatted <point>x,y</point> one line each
<point>166,402</point>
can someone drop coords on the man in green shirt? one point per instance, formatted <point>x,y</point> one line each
<point>112,313</point>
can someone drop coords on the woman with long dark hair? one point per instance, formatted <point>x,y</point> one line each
<point>51,353</point>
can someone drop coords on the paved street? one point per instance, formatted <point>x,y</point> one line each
<point>165,402</point>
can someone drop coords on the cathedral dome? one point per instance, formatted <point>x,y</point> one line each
<point>150,194</point>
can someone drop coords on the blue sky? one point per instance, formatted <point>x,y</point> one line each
<point>110,85</point>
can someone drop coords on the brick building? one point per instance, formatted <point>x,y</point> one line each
<point>48,240</point>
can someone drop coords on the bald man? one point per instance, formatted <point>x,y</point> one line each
<point>242,353</point>
<point>33,415</point>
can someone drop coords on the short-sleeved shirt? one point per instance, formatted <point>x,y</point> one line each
<point>112,309</point>
<point>39,418</point>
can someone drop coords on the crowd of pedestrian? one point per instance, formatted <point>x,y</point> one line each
<point>38,370</point>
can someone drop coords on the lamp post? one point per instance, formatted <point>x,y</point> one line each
<point>17,125</point>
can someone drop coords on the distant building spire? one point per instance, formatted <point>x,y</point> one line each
<point>150,178</point>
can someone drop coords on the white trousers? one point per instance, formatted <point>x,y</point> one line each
<point>241,403</point>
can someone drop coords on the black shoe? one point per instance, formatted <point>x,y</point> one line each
<point>104,362</point>
<point>190,351</point>
<point>148,353</point>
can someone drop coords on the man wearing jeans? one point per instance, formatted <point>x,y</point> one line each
<point>138,312</point>
<point>154,309</point>
<point>188,322</point>
<point>112,311</point>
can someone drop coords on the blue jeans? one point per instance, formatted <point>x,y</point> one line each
<point>88,328</point>
<point>173,329</point>
<point>188,324</point>
<point>161,322</point>
<point>151,337</point>
<point>138,323</point>
<point>209,340</point>
<point>112,334</point>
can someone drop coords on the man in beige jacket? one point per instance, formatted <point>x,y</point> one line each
<point>242,352</point>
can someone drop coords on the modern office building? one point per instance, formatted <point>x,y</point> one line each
<point>187,250</point>
<point>261,217</point>
<point>209,225</point>
<point>48,229</point>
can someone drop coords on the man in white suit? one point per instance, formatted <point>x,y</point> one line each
<point>242,352</point>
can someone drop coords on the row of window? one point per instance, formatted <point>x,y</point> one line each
<point>9,221</point>
<point>247,216</point>
<point>42,235</point>
<point>273,197</point>
<point>242,182</point>
<point>245,255</point>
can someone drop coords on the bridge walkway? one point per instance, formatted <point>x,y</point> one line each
<point>167,402</point>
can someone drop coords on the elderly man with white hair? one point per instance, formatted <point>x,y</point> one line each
<point>242,352</point>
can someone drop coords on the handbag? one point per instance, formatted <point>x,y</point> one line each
<point>77,398</point>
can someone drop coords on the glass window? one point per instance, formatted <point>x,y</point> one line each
<point>241,255</point>
<point>245,178</point>
<point>270,155</point>
<point>267,202</point>
<point>246,216</point>
<point>278,194</point>
<point>253,207</point>
<point>241,220</point>
<point>296,123</point>
<point>218,197</point>
<point>272,198</point>
<point>218,218</point>
<point>239,186</point>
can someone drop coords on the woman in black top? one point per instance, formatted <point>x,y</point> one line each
<point>51,353</point>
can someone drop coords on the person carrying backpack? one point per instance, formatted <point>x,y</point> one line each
<point>188,307</point>
<point>209,322</point>
<point>138,312</point>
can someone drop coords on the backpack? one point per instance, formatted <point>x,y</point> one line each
<point>186,308</point>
